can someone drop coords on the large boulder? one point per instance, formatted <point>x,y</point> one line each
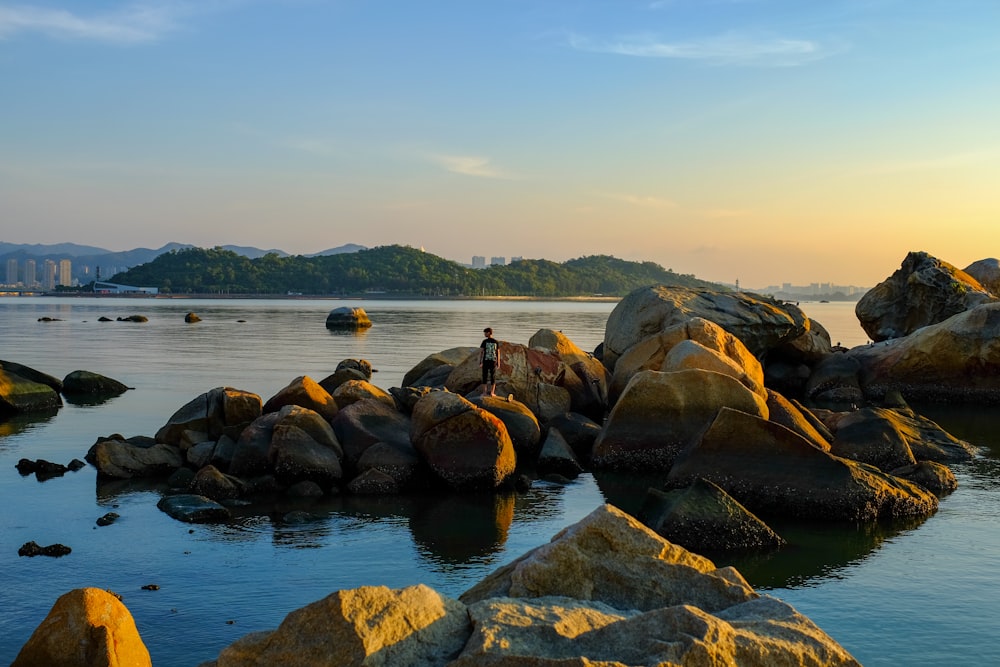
<point>88,383</point>
<point>704,518</point>
<point>698,338</point>
<point>87,627</point>
<point>466,446</point>
<point>367,422</point>
<point>890,438</point>
<point>774,471</point>
<point>557,457</point>
<point>352,391</point>
<point>799,419</point>
<point>587,380</point>
<point>371,626</point>
<point>659,414</point>
<point>433,369</point>
<point>923,290</point>
<point>760,322</point>
<point>18,394</point>
<point>348,369</point>
<point>957,360</point>
<point>29,373</point>
<point>522,425</point>
<point>119,458</point>
<point>347,318</point>
<point>222,411</point>
<point>987,273</point>
<point>300,453</point>
<point>304,392</point>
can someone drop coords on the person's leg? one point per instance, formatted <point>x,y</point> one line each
<point>493,379</point>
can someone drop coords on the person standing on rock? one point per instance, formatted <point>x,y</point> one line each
<point>489,359</point>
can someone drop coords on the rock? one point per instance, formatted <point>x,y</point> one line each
<point>646,572</point>
<point>124,460</point>
<point>775,472</point>
<point>19,395</point>
<point>397,460</point>
<point>86,627</point>
<point>761,323</point>
<point>522,425</point>
<point>134,318</point>
<point>559,631</point>
<point>41,468</point>
<point>298,456</point>
<point>894,438</point>
<point>704,518</point>
<point>181,478</point>
<point>191,318</point>
<point>353,391</point>
<point>192,508</point>
<point>659,414</point>
<point>373,482</point>
<point>579,432</point>
<point>701,344</point>
<point>29,373</point>
<point>104,318</point>
<point>250,455</point>
<point>371,626</point>
<point>465,446</point>
<point>348,319</point>
<point>108,519</point>
<point>835,379</point>
<point>88,383</point>
<point>954,361</point>
<point>339,377</point>
<point>446,360</point>
<point>407,397</point>
<point>933,476</point>
<point>588,381</point>
<point>557,457</point>
<point>364,423</point>
<point>222,411</point>
<point>362,366</point>
<point>924,290</point>
<point>987,273</point>
<point>215,485</point>
<point>305,489</point>
<point>304,392</point>
<point>799,419</point>
<point>32,549</point>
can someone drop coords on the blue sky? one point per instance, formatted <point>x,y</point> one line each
<point>769,141</point>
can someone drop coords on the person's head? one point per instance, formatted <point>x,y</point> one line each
<point>488,332</point>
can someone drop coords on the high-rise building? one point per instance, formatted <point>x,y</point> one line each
<point>49,275</point>
<point>498,261</point>
<point>65,272</point>
<point>30,273</point>
<point>12,272</point>
<point>478,262</point>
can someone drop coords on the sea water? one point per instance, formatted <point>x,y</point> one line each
<point>910,593</point>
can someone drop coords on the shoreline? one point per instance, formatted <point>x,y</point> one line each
<point>323,297</point>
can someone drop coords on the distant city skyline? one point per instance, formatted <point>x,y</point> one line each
<point>767,141</point>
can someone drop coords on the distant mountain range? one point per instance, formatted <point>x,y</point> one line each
<point>86,259</point>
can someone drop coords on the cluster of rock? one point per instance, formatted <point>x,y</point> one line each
<point>564,603</point>
<point>935,334</point>
<point>26,390</point>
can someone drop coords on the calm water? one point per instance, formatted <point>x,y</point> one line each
<point>916,594</point>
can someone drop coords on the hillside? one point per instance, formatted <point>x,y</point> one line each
<point>393,270</point>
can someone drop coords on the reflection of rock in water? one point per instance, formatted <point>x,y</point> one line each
<point>627,490</point>
<point>815,549</point>
<point>460,528</point>
<point>14,424</point>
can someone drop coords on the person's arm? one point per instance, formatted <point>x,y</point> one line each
<point>482,354</point>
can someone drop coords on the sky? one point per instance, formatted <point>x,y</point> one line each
<point>765,141</point>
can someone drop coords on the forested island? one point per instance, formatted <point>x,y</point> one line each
<point>394,270</point>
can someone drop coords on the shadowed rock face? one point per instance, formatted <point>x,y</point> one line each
<point>987,272</point>
<point>924,290</point>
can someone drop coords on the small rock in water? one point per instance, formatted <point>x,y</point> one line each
<point>107,519</point>
<point>32,549</point>
<point>151,587</point>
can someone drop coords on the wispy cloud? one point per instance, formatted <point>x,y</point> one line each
<point>469,165</point>
<point>130,24</point>
<point>643,201</point>
<point>726,49</point>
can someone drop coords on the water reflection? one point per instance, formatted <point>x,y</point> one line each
<point>14,424</point>
<point>458,529</point>
<point>89,400</point>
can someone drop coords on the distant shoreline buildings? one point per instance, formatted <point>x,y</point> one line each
<point>813,291</point>
<point>479,261</point>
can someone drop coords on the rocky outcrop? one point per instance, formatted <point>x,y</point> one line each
<point>304,392</point>
<point>19,395</point>
<point>761,323</point>
<point>465,446</point>
<point>209,416</point>
<point>924,290</point>
<point>659,414</point>
<point>522,425</point>
<point>123,459</point>
<point>86,627</point>
<point>587,380</point>
<point>29,373</point>
<point>347,318</point>
<point>954,361</point>
<point>774,471</point>
<point>558,457</point>
<point>367,422</point>
<point>434,369</point>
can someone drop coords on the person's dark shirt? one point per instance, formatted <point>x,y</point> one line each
<point>491,350</point>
